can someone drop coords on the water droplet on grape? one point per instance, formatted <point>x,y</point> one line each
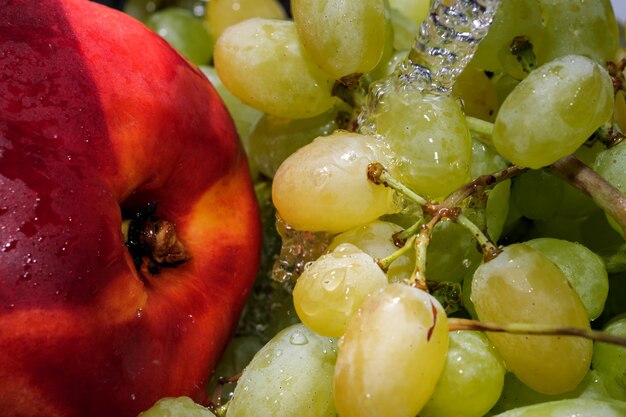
<point>298,339</point>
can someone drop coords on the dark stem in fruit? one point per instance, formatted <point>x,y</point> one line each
<point>604,194</point>
<point>523,51</point>
<point>535,329</point>
<point>153,242</point>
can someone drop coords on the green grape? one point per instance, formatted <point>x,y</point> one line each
<point>222,14</point>
<point>611,164</point>
<point>343,37</point>
<point>387,65</point>
<point>615,301</point>
<point>376,239</point>
<point>244,116</point>
<point>416,10</point>
<point>323,186</point>
<point>486,161</point>
<point>290,376</point>
<point>610,360</point>
<point>238,353</point>
<point>574,92</point>
<point>451,252</point>
<point>516,394</point>
<point>430,139</point>
<point>332,288</point>
<point>590,27</point>
<point>503,84</point>
<point>404,30</point>
<point>391,355</point>
<point>514,18</point>
<point>537,194</point>
<point>479,95</point>
<point>176,407</point>
<point>141,9</point>
<point>583,269</point>
<point>471,381</point>
<point>577,407</point>
<point>273,138</point>
<point>185,32</point>
<point>381,69</point>
<point>262,62</point>
<point>523,286</point>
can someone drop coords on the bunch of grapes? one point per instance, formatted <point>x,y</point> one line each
<point>448,181</point>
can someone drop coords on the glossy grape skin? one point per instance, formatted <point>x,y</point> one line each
<point>515,394</point>
<point>610,360</point>
<point>290,376</point>
<point>262,62</point>
<point>472,378</point>
<point>176,407</point>
<point>185,32</point>
<point>478,93</point>
<point>578,95</point>
<point>584,270</point>
<point>332,288</point>
<point>430,139</point>
<point>324,186</point>
<point>273,138</point>
<point>578,407</point>
<point>222,14</point>
<point>554,28</point>
<point>523,286</point>
<point>391,355</point>
<point>343,37</point>
<point>451,253</point>
<point>376,239</point>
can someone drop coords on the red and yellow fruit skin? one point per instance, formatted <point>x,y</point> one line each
<point>98,113</point>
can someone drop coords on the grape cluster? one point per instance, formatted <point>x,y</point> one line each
<point>471,237</point>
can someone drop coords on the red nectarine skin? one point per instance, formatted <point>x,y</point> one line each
<point>97,112</point>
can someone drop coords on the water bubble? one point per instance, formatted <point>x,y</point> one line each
<point>298,339</point>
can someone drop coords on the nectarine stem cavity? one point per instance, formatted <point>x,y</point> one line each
<point>153,242</point>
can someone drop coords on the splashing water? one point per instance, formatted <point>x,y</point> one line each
<point>446,42</point>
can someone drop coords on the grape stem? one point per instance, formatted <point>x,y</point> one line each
<point>604,194</point>
<point>488,249</point>
<point>534,329</point>
<point>378,174</point>
<point>385,262</point>
<point>484,181</point>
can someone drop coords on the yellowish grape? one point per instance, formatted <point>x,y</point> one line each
<point>472,378</point>
<point>332,288</point>
<point>376,239</point>
<point>224,13</point>
<point>324,185</point>
<point>523,286</point>
<point>344,37</point>
<point>176,407</point>
<point>391,354</point>
<point>262,62</point>
<point>563,103</point>
<point>430,139</point>
<point>290,376</point>
<point>416,10</point>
